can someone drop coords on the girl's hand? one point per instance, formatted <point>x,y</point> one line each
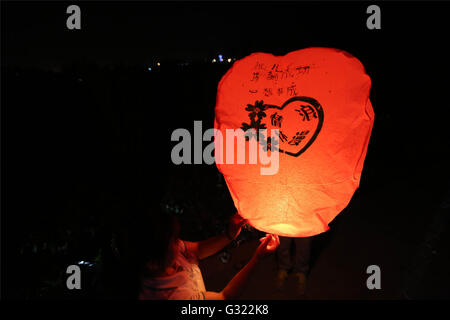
<point>235,225</point>
<point>268,245</point>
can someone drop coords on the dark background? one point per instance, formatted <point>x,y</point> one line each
<point>86,127</point>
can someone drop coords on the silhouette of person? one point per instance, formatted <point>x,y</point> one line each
<point>293,256</point>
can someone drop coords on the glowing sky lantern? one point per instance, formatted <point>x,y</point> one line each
<point>318,99</point>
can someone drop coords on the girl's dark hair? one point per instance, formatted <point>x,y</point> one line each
<point>145,247</point>
<point>152,241</point>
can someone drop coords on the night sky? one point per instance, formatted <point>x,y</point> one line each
<point>406,59</point>
<point>138,32</point>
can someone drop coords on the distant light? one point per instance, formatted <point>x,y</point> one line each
<point>229,60</point>
<point>158,64</point>
<point>149,69</point>
<point>81,262</point>
<point>214,60</point>
<point>220,58</point>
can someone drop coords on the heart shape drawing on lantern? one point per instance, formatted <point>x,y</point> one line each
<point>298,120</point>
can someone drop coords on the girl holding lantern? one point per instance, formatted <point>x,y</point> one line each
<point>168,267</point>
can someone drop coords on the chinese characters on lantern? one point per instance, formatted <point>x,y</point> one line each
<point>275,73</point>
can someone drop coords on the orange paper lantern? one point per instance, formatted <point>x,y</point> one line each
<point>318,100</point>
